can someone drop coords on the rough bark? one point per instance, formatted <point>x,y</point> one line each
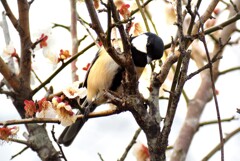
<point>198,103</point>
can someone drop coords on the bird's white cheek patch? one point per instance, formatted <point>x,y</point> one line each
<point>140,43</point>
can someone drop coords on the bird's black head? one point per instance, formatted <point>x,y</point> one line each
<point>145,48</point>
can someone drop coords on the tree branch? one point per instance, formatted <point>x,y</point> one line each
<point>132,142</point>
<point>216,121</point>
<point>59,146</point>
<point>143,15</point>
<point>73,30</point>
<point>9,76</point>
<point>48,80</point>
<point>25,40</point>
<point>202,38</point>
<point>19,153</point>
<point>178,81</point>
<point>218,147</point>
<point>196,106</point>
<point>55,120</point>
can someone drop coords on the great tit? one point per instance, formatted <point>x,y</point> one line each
<point>105,74</point>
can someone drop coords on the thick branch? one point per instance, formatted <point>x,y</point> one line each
<point>206,15</point>
<point>10,76</point>
<point>25,39</point>
<point>96,25</point>
<point>74,38</point>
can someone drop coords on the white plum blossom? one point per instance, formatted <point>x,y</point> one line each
<point>45,109</point>
<point>74,91</point>
<point>49,112</point>
<point>65,114</point>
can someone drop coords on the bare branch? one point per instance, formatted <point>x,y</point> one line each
<point>210,30</point>
<point>100,156</point>
<point>132,142</point>
<point>143,15</point>
<point>206,15</point>
<point>207,66</point>
<point>55,120</point>
<point>59,146</point>
<point>218,147</point>
<point>196,106</point>
<point>25,41</point>
<point>220,26</point>
<point>202,38</point>
<point>228,70</point>
<point>144,4</point>
<point>19,141</point>
<point>19,153</point>
<point>216,121</point>
<point>9,76</point>
<point>60,69</point>
<point>177,83</point>
<point>73,30</point>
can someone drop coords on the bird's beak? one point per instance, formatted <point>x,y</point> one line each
<point>149,59</point>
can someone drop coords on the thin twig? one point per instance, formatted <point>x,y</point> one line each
<point>178,81</point>
<point>81,40</point>
<point>218,147</point>
<point>62,26</point>
<point>48,80</point>
<point>228,70</point>
<point>216,121</point>
<point>238,110</point>
<point>144,4</point>
<point>30,2</point>
<point>231,20</point>
<point>207,66</point>
<point>19,153</point>
<point>88,31</point>
<point>35,74</point>
<point>132,142</point>
<point>59,146</point>
<point>202,38</point>
<point>234,6</point>
<point>143,15</point>
<point>100,156</point>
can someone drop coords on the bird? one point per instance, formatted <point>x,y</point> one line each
<point>105,74</point>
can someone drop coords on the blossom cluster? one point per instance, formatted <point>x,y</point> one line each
<point>58,107</point>
<point>43,43</point>
<point>6,132</point>
<point>54,58</point>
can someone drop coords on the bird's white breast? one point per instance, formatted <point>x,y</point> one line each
<point>101,75</point>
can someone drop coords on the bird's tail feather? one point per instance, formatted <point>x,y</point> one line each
<point>70,132</point>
